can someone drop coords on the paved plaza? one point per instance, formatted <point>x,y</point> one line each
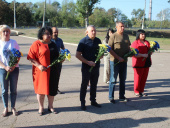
<point>152,111</point>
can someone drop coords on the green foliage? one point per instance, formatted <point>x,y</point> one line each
<point>164,15</point>
<point>112,14</point>
<point>6,14</point>
<point>138,14</point>
<point>23,14</point>
<point>137,17</point>
<point>99,18</point>
<point>68,14</point>
<point>85,8</point>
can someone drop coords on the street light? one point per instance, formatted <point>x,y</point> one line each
<point>143,22</point>
<point>43,24</point>
<point>14,16</point>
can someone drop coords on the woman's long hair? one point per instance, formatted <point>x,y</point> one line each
<point>107,35</point>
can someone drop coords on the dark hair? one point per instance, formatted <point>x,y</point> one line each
<point>107,35</point>
<point>42,31</point>
<point>138,33</point>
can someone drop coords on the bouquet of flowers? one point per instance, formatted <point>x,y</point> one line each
<point>131,53</point>
<point>103,50</point>
<point>14,56</point>
<point>154,45</point>
<point>63,54</point>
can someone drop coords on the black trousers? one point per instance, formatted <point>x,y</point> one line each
<point>59,68</point>
<point>93,77</point>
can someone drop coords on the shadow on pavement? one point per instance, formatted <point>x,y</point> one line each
<point>111,123</point>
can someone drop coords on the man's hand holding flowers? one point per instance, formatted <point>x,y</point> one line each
<point>132,52</point>
<point>103,50</point>
<point>91,63</point>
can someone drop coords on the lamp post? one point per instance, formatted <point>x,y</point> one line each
<point>43,24</point>
<point>143,22</point>
<point>14,16</point>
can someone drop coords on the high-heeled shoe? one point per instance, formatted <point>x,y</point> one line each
<point>41,113</point>
<point>5,112</point>
<point>14,112</point>
<point>52,110</point>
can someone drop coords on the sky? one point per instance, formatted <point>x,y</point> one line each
<point>126,6</point>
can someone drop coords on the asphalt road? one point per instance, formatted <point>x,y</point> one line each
<point>152,111</point>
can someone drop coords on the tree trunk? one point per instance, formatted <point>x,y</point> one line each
<point>87,19</point>
<point>86,22</point>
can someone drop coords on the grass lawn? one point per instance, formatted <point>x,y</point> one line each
<point>74,36</point>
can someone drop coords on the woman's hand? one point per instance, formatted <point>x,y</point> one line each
<point>62,61</point>
<point>42,68</point>
<point>37,64</point>
<point>101,57</point>
<point>145,55</point>
<point>7,68</point>
<point>12,68</point>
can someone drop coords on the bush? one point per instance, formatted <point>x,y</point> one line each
<point>158,34</point>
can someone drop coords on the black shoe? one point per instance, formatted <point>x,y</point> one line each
<point>95,104</point>
<point>138,94</point>
<point>124,99</point>
<point>112,101</point>
<point>52,110</point>
<point>41,113</point>
<point>58,92</point>
<point>83,107</point>
<point>143,94</point>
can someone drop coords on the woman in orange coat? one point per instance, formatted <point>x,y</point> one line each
<point>41,54</point>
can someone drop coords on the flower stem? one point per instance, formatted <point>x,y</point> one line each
<point>90,69</point>
<point>7,75</point>
<point>116,63</point>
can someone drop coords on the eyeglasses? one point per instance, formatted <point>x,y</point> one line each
<point>7,31</point>
<point>46,33</point>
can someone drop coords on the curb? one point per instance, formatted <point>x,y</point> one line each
<point>36,39</point>
<point>15,33</point>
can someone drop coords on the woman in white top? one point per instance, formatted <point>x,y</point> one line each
<point>106,77</point>
<point>7,44</point>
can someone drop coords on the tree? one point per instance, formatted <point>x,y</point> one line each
<point>112,14</point>
<point>56,4</point>
<point>164,15</point>
<point>23,14</point>
<point>6,13</point>
<point>138,16</point>
<point>69,14</point>
<point>99,18</point>
<point>85,7</point>
<point>137,13</point>
<point>125,20</point>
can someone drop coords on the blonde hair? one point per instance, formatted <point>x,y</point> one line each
<point>2,27</point>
